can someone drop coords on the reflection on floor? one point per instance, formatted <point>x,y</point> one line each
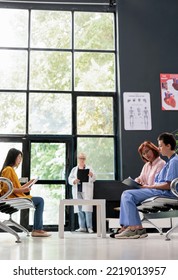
<point>83,246</point>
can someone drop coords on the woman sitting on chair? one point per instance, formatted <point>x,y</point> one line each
<point>12,161</point>
<point>153,164</point>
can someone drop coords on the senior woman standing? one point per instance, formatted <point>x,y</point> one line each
<point>82,190</point>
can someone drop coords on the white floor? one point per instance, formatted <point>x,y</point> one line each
<point>83,246</point>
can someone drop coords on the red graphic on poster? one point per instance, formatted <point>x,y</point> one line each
<point>169,91</point>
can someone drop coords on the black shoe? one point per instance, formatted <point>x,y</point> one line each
<point>112,235</point>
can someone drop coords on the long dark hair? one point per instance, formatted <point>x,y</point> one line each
<point>11,158</point>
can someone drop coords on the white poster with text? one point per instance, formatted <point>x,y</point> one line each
<point>137,111</point>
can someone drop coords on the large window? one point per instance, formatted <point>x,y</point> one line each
<point>58,83</point>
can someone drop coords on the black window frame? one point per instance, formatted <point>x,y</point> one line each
<point>26,139</point>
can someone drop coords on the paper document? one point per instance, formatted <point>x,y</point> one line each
<point>34,181</point>
<point>131,183</point>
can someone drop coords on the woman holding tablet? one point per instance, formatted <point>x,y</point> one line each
<point>150,155</point>
<point>12,161</point>
<point>81,178</point>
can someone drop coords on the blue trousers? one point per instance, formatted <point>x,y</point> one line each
<point>84,218</point>
<point>38,215</point>
<point>130,199</point>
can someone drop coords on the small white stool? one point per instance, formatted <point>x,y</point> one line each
<point>100,211</point>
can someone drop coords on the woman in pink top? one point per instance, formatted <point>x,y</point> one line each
<point>153,163</point>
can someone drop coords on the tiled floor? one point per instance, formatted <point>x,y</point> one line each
<point>83,246</point>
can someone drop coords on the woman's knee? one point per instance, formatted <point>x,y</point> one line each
<point>126,195</point>
<point>38,200</point>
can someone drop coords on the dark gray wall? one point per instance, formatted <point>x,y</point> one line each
<point>148,45</point>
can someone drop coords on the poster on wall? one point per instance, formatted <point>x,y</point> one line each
<point>169,91</point>
<point>137,111</point>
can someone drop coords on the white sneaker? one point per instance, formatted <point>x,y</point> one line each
<point>81,230</point>
<point>90,230</point>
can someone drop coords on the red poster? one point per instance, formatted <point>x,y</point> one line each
<point>169,91</point>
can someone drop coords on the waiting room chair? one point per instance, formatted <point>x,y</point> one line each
<point>161,207</point>
<point>10,206</point>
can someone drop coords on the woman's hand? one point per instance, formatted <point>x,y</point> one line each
<point>90,174</point>
<point>26,189</point>
<point>138,180</point>
<point>28,183</point>
<point>144,186</point>
<point>76,181</point>
<point>147,187</point>
<point>23,189</point>
<point>31,181</point>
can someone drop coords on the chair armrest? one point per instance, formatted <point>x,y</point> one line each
<point>9,185</point>
<point>173,187</point>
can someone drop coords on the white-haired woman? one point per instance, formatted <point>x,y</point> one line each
<point>83,190</point>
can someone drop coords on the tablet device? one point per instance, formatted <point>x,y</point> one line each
<point>34,181</point>
<point>82,175</point>
<point>131,183</point>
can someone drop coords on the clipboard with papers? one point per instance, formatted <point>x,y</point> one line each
<point>131,183</point>
<point>82,175</point>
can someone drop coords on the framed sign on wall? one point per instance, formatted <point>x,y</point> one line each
<point>169,91</point>
<point>137,111</point>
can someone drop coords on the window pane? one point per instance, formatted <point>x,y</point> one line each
<point>51,195</point>
<point>50,113</point>
<point>51,29</point>
<point>48,161</point>
<point>13,69</point>
<point>95,115</point>
<point>100,155</point>
<point>94,71</point>
<point>13,113</point>
<point>94,31</point>
<point>13,28</point>
<point>50,70</point>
